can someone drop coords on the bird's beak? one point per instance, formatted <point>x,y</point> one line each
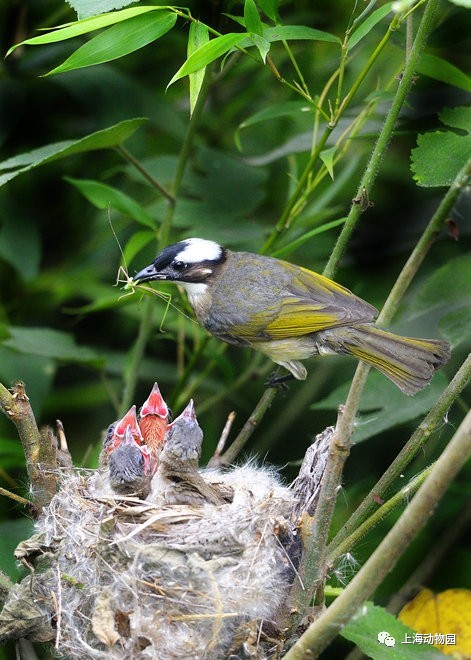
<point>148,274</point>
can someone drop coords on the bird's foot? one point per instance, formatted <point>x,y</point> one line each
<point>279,381</point>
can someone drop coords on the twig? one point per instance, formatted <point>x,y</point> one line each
<point>249,427</point>
<point>127,155</point>
<point>314,561</point>
<point>385,135</point>
<point>39,450</point>
<point>384,558</point>
<point>223,439</point>
<point>407,453</point>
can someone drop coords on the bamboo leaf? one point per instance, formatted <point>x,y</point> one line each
<point>367,25</point>
<point>199,36</point>
<point>119,40</point>
<point>208,53</point>
<point>439,69</point>
<point>104,139</point>
<point>253,23</point>
<point>77,28</point>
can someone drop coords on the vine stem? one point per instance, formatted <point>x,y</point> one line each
<point>385,135</point>
<point>314,561</point>
<point>384,558</point>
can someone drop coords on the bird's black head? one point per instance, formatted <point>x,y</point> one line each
<point>193,260</point>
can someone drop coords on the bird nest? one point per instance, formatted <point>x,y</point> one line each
<point>199,565</point>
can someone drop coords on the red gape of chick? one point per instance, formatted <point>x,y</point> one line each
<point>132,447</point>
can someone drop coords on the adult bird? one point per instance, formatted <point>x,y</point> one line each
<point>289,313</point>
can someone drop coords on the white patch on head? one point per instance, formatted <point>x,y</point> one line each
<point>199,249</point>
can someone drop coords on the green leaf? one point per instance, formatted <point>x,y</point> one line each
<point>439,69</point>
<point>207,53</point>
<point>369,24</point>
<point>447,294</point>
<point>294,33</point>
<point>440,156</point>
<point>327,157</point>
<point>11,533</point>
<point>253,24</point>
<point>17,231</point>
<point>383,405</point>
<point>104,139</point>
<point>119,40</point>
<point>136,243</point>
<point>462,3</point>
<point>306,236</point>
<point>263,46</point>
<point>287,109</point>
<point>77,28</point>
<point>198,36</point>
<point>372,624</point>
<point>270,9</point>
<point>49,343</point>
<point>103,196</point>
<point>86,8</point>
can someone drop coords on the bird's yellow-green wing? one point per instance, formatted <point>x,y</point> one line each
<point>309,303</point>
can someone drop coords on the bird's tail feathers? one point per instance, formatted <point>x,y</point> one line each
<point>410,363</point>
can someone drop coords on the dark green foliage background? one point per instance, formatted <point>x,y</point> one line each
<point>59,257</point>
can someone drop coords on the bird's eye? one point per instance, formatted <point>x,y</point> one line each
<point>178,265</point>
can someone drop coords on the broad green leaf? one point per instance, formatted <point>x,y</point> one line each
<point>104,139</point>
<point>459,117</point>
<point>77,28</point>
<point>270,8</point>
<point>197,37</point>
<point>119,40</point>
<point>462,3</point>
<point>253,24</point>
<point>440,156</point>
<point>383,405</point>
<point>447,293</point>
<point>86,8</point>
<point>49,343</point>
<point>383,637</point>
<point>207,54</point>
<point>104,196</point>
<point>327,157</point>
<point>439,69</point>
<point>366,27</point>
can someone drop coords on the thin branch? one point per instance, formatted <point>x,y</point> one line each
<point>385,135</point>
<point>428,426</point>
<point>384,558</point>
<point>127,155</point>
<point>39,448</point>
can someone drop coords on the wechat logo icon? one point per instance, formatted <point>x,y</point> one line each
<point>386,639</point>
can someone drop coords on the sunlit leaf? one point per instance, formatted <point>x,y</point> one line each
<point>119,40</point>
<point>253,23</point>
<point>207,53</point>
<point>86,8</point>
<point>104,196</point>
<point>197,37</point>
<point>262,45</point>
<point>77,28</point>
<point>104,139</point>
